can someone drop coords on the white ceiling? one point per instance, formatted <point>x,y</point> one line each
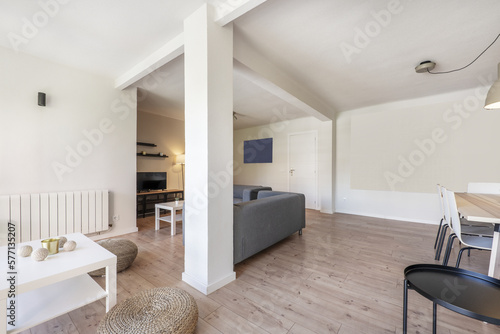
<point>105,37</point>
<point>162,93</point>
<point>302,38</point>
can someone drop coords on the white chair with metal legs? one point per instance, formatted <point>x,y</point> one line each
<point>467,227</point>
<point>446,221</point>
<point>469,241</point>
<point>440,228</point>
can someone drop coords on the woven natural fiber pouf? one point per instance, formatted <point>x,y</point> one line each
<point>161,310</point>
<point>125,251</point>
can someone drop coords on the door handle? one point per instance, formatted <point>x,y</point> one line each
<point>291,171</point>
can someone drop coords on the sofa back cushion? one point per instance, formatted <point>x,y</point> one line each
<point>270,193</point>
<point>238,189</point>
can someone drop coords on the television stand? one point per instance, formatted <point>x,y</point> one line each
<point>146,200</point>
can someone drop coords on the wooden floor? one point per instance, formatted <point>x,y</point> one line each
<point>343,275</point>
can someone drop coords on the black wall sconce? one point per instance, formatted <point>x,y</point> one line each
<point>41,99</point>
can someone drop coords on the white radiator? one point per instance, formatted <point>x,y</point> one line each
<point>40,216</point>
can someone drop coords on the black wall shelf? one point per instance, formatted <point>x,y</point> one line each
<point>157,155</point>
<point>154,155</point>
<point>146,144</point>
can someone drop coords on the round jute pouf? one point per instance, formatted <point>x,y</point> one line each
<point>125,251</point>
<point>161,310</point>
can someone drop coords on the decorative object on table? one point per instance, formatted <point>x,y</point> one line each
<point>62,241</point>
<point>160,310</point>
<point>52,245</point>
<point>40,254</point>
<point>125,251</point>
<point>69,246</point>
<point>25,251</point>
<point>177,201</point>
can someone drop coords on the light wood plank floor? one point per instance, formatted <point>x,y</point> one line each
<point>343,275</point>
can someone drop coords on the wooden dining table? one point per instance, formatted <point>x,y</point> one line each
<point>483,208</point>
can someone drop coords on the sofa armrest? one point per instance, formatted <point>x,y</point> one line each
<point>261,223</point>
<point>251,194</point>
<point>238,190</point>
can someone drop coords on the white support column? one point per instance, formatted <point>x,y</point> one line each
<point>208,61</point>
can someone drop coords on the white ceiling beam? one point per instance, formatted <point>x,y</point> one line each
<point>160,57</point>
<point>264,74</point>
<point>226,11</point>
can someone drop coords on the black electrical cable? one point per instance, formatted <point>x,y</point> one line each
<point>459,69</point>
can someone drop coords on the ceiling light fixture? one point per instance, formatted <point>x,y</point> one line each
<point>425,66</point>
<point>493,97</point>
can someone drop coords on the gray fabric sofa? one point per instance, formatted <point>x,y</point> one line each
<point>241,193</point>
<point>261,223</point>
<point>245,193</point>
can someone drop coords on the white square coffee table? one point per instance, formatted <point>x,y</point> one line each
<point>173,207</point>
<point>47,289</point>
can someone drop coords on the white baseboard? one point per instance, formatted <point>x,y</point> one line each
<point>113,233</point>
<point>207,289</point>
<point>411,220</point>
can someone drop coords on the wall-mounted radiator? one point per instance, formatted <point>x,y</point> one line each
<point>40,216</point>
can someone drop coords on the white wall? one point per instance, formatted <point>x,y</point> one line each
<point>390,157</point>
<point>39,146</point>
<point>275,174</point>
<point>168,134</point>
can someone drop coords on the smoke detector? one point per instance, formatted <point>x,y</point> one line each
<point>425,66</point>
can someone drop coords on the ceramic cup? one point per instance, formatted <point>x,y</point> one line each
<point>52,245</point>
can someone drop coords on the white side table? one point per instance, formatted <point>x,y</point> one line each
<point>58,285</point>
<point>173,207</point>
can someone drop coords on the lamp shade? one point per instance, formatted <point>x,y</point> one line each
<point>493,97</point>
<point>180,159</point>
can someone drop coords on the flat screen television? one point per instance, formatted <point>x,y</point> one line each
<point>148,181</point>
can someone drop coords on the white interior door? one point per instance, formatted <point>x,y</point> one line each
<point>302,166</point>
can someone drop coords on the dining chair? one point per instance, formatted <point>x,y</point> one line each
<point>440,196</point>
<point>446,222</point>
<point>467,227</point>
<point>443,224</point>
<point>483,188</point>
<point>481,242</point>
